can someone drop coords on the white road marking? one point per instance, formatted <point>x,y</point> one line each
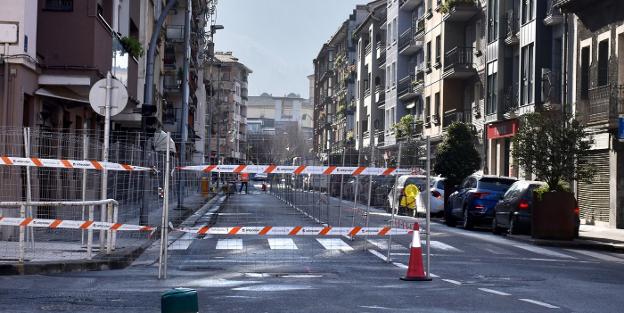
<point>544,304</point>
<point>399,253</point>
<point>438,245</point>
<point>334,244</point>
<point>230,244</point>
<point>454,282</point>
<point>182,243</point>
<point>543,251</point>
<point>600,256</point>
<point>377,254</point>
<point>496,292</point>
<point>383,244</point>
<point>401,265</point>
<point>434,275</point>
<point>282,244</point>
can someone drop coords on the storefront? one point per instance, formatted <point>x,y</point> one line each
<point>499,159</point>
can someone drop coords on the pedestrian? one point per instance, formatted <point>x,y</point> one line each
<point>244,178</point>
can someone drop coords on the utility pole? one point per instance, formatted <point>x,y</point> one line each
<point>186,97</point>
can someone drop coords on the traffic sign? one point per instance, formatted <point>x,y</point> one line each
<point>118,100</point>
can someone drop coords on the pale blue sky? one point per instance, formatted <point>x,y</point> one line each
<point>278,39</point>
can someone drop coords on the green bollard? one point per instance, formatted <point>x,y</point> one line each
<point>179,300</point>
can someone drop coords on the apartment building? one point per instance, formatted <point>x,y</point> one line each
<point>334,92</point>
<point>598,102</point>
<point>269,114</point>
<point>370,82</point>
<point>227,116</point>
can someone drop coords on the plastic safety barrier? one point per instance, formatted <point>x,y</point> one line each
<point>70,164</point>
<point>297,231</point>
<point>70,224</point>
<point>299,170</point>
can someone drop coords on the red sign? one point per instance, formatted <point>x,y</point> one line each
<point>503,129</point>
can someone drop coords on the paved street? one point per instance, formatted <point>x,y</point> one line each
<point>473,271</point>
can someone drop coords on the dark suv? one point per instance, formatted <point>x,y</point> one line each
<point>474,201</point>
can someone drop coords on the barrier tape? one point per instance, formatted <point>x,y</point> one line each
<point>296,231</point>
<point>70,224</point>
<point>298,170</point>
<point>84,164</point>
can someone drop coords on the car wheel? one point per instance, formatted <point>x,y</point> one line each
<point>467,220</point>
<point>495,229</point>
<point>449,220</point>
<point>514,228</point>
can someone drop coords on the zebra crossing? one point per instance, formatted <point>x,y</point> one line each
<point>344,245</point>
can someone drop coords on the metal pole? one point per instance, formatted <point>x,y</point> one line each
<point>90,234</point>
<point>428,208</point>
<point>22,233</point>
<point>109,232</point>
<point>85,156</point>
<point>164,231</point>
<point>370,194</point>
<point>104,195</point>
<point>394,200</point>
<point>30,235</point>
<point>5,93</point>
<point>344,151</point>
<point>186,96</point>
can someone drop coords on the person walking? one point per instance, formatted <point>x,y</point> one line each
<point>244,178</point>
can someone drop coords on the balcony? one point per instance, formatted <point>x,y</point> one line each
<point>511,99</point>
<point>512,28</point>
<point>368,49</point>
<point>408,44</point>
<point>380,95</point>
<point>175,33</point>
<point>405,90</point>
<point>409,5</point>
<point>419,27</point>
<point>551,90</point>
<point>381,55</point>
<point>553,14</point>
<point>604,106</point>
<point>459,10</point>
<point>367,92</point>
<point>459,63</point>
<point>451,117</point>
<point>171,83</point>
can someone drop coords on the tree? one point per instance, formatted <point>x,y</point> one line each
<point>457,157</point>
<point>411,146</point>
<point>553,147</point>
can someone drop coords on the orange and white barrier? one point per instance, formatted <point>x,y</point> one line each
<point>296,231</point>
<point>299,170</point>
<point>55,163</point>
<point>70,224</point>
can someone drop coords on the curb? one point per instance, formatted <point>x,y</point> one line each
<point>580,243</point>
<point>119,259</point>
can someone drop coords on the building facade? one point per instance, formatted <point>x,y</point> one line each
<point>598,102</point>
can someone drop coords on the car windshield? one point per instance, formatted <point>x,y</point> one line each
<point>495,184</point>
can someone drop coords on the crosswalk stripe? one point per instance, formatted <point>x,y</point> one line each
<point>438,245</point>
<point>334,244</point>
<point>182,243</point>
<point>383,244</point>
<point>543,251</point>
<point>282,244</point>
<point>230,244</point>
<point>599,256</point>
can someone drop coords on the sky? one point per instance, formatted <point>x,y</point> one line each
<point>278,39</point>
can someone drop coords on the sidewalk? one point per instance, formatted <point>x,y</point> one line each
<point>66,256</point>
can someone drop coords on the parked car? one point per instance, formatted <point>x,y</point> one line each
<point>473,203</point>
<point>436,195</point>
<point>260,177</point>
<point>403,181</point>
<point>513,212</point>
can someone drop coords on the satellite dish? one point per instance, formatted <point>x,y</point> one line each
<point>160,142</point>
<point>118,100</point>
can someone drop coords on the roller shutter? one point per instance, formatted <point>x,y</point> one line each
<point>594,198</point>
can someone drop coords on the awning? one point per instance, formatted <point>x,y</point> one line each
<point>60,92</point>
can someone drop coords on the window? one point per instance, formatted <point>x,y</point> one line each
<point>491,93</point>
<point>59,5</point>
<point>493,25</point>
<point>389,34</point>
<point>437,104</point>
<point>527,75</point>
<point>438,49</point>
<point>393,74</point>
<point>585,73</point>
<point>603,63</point>
<point>395,30</point>
<point>388,80</point>
<point>427,109</point>
<point>527,11</point>
<point>428,54</point>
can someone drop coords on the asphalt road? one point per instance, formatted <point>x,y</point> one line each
<point>474,271</point>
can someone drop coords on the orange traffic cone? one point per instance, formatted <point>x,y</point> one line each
<point>415,268</point>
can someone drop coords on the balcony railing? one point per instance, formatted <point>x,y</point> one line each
<point>411,40</point>
<point>175,33</point>
<point>405,86</point>
<point>459,10</point>
<point>604,106</point>
<point>452,116</point>
<point>553,14</point>
<point>512,28</point>
<point>511,100</point>
<point>459,62</point>
<point>368,48</point>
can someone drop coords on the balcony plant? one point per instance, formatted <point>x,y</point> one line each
<point>554,147</point>
<point>132,46</point>
<point>446,7</point>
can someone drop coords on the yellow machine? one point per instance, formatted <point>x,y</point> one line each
<point>408,199</point>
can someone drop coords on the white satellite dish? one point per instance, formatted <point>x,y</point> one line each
<point>118,100</point>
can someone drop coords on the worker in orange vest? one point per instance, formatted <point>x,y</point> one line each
<point>244,178</point>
